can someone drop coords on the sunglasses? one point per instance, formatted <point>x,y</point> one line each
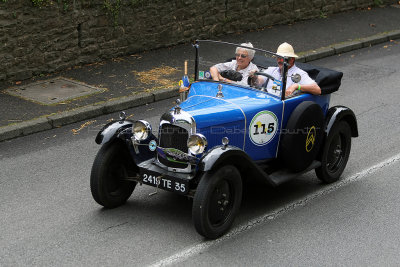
<point>240,55</point>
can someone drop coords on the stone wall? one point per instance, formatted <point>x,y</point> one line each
<point>64,33</point>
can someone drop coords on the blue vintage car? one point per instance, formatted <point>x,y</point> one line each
<point>220,135</point>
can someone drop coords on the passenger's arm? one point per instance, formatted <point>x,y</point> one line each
<point>217,76</point>
<point>215,73</point>
<point>312,88</point>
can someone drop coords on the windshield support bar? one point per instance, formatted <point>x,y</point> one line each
<point>196,63</point>
<point>284,77</point>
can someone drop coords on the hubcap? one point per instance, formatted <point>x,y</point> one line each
<point>335,153</point>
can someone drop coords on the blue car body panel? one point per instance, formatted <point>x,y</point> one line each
<point>236,115</point>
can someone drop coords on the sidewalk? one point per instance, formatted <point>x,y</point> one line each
<point>138,79</point>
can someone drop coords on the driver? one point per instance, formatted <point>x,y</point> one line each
<point>241,64</point>
<point>306,84</point>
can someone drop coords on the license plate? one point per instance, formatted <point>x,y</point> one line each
<point>165,182</point>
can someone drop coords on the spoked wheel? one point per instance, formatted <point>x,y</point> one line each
<point>217,201</point>
<point>335,154</point>
<point>108,179</point>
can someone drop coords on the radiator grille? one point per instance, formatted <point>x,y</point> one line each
<point>172,136</point>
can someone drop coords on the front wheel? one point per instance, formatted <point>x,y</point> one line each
<point>335,154</point>
<point>217,201</point>
<point>111,167</point>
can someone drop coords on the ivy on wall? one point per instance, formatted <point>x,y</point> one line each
<point>113,7</point>
<point>39,2</point>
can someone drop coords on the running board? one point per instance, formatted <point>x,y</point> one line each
<point>285,175</point>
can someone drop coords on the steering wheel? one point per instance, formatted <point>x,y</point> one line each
<point>266,75</point>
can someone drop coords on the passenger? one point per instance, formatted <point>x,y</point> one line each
<point>241,64</point>
<point>306,84</point>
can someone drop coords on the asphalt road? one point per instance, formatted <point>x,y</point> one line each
<point>48,216</point>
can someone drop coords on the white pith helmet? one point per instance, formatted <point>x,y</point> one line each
<point>286,50</point>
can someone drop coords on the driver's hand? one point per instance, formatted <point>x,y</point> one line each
<point>291,89</point>
<point>253,78</point>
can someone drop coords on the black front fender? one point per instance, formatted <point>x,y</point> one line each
<point>111,130</point>
<point>249,169</point>
<point>338,113</point>
<point>122,130</point>
<point>219,156</point>
<point>223,154</point>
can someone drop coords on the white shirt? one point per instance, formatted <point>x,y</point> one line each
<point>233,66</point>
<point>276,73</point>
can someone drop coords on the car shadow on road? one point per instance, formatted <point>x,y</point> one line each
<point>173,211</point>
<point>262,199</point>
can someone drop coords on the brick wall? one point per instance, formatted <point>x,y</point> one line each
<point>37,40</point>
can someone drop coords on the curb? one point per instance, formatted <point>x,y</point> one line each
<point>87,112</point>
<point>337,49</point>
<point>68,117</point>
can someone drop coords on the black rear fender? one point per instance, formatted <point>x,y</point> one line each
<point>339,113</point>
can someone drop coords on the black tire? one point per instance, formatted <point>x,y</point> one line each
<point>217,201</point>
<point>112,163</point>
<point>335,153</point>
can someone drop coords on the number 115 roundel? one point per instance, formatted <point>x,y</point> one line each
<point>263,128</point>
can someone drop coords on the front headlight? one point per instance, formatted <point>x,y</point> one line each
<point>197,143</point>
<point>141,130</point>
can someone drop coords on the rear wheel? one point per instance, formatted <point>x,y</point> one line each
<point>217,201</point>
<point>335,153</point>
<point>111,167</point>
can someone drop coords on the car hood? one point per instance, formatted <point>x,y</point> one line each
<point>208,111</point>
<point>236,104</point>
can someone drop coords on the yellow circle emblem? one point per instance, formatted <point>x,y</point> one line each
<point>310,141</point>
